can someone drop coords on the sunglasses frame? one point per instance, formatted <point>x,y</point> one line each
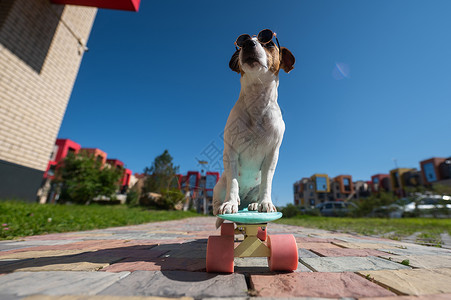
<point>274,35</point>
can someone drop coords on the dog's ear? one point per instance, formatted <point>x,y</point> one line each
<point>287,61</point>
<point>234,62</point>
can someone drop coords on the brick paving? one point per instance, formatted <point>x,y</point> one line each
<point>167,260</point>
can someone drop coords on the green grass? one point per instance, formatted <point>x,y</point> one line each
<point>430,229</point>
<point>23,219</point>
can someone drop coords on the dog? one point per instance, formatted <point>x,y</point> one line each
<point>254,129</point>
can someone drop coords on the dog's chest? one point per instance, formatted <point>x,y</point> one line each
<point>255,126</point>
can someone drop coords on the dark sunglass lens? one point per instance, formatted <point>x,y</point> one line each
<point>265,36</point>
<point>241,39</point>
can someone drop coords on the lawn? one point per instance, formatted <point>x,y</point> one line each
<point>23,219</point>
<point>429,229</point>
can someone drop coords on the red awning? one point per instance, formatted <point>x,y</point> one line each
<point>131,5</point>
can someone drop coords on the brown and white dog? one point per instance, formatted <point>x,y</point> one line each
<point>254,129</point>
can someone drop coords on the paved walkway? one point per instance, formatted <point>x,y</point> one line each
<point>167,259</point>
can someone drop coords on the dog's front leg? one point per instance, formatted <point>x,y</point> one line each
<point>267,173</point>
<point>232,199</point>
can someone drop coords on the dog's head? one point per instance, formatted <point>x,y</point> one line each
<point>253,56</point>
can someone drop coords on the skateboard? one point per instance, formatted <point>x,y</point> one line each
<point>281,250</point>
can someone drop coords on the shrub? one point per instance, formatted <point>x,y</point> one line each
<point>366,206</point>
<point>168,199</point>
<point>290,211</point>
<point>132,198</point>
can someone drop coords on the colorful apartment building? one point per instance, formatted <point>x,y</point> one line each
<point>308,192</point>
<point>430,169</point>
<point>99,155</point>
<point>397,180</point>
<point>63,147</point>
<point>342,188</point>
<point>200,188</point>
<point>124,181</point>
<point>380,182</point>
<point>445,171</point>
<point>362,189</point>
<point>305,193</point>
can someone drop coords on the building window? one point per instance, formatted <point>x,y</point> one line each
<point>54,152</point>
<point>429,171</point>
<point>51,171</point>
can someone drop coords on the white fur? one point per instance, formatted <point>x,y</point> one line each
<point>252,138</point>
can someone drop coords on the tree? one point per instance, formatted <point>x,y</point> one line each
<point>82,178</point>
<point>442,189</point>
<point>161,174</point>
<point>162,179</point>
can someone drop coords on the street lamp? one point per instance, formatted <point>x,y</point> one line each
<point>204,195</point>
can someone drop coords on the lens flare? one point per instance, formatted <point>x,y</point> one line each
<point>341,71</point>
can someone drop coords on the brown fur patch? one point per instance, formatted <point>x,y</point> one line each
<point>273,59</point>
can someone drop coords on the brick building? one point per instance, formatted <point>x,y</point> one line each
<point>41,48</point>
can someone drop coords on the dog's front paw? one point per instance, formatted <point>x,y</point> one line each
<point>228,208</point>
<point>253,206</point>
<point>266,207</point>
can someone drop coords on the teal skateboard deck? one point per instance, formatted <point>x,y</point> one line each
<point>251,217</point>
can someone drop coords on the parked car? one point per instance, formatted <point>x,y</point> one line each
<point>430,206</point>
<point>335,209</point>
<point>423,205</point>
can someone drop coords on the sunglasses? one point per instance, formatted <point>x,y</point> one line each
<point>264,37</point>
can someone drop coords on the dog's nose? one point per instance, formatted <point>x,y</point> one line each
<point>250,43</point>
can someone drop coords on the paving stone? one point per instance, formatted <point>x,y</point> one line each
<point>416,250</point>
<point>99,297</point>
<point>9,297</point>
<point>420,297</point>
<point>179,283</point>
<point>304,253</point>
<point>122,253</point>
<point>259,265</point>
<point>425,261</point>
<point>35,254</point>
<point>348,252</point>
<point>11,246</point>
<point>50,237</point>
<point>82,262</point>
<point>188,254</point>
<point>86,235</point>
<point>315,240</point>
<point>57,283</point>
<point>351,264</point>
<point>364,245</point>
<point>299,298</point>
<point>79,245</point>
<point>366,239</point>
<point>413,282</point>
<point>184,250</point>
<point>251,265</point>
<point>158,264</point>
<point>317,246</point>
<point>28,244</point>
<point>328,285</point>
<point>228,298</point>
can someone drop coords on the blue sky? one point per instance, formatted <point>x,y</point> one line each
<point>372,83</point>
